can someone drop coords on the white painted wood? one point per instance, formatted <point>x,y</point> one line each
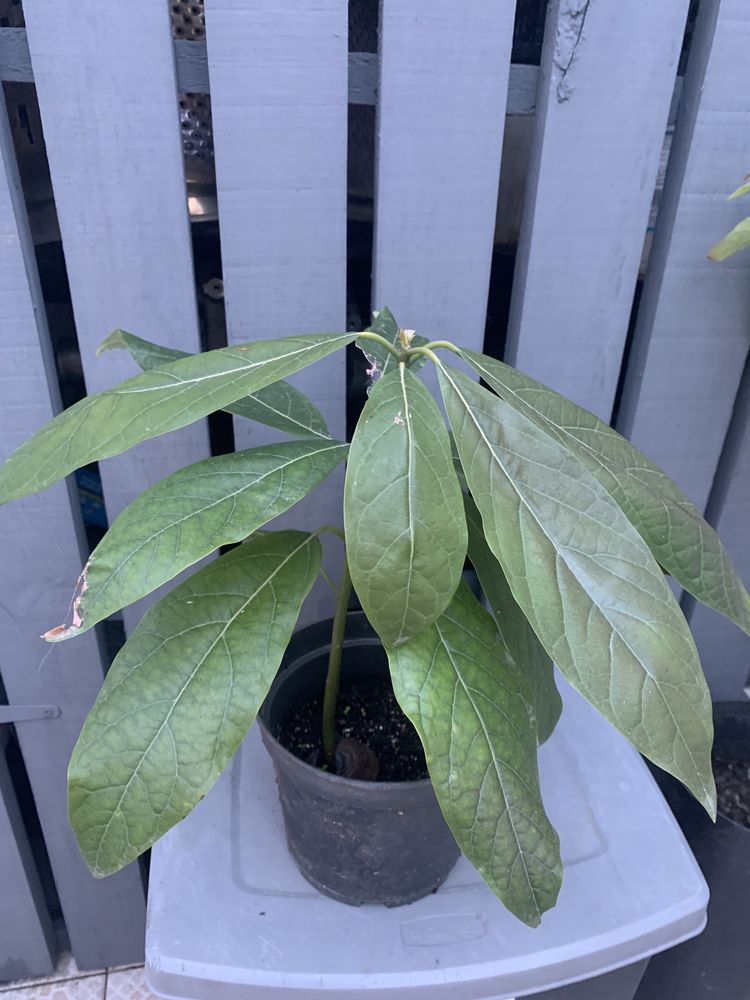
<point>606,82</point>
<point>27,940</point>
<point>113,142</point>
<point>278,76</point>
<point>724,649</point>
<point>40,562</point>
<point>443,91</point>
<point>693,327</point>
<point>191,64</point>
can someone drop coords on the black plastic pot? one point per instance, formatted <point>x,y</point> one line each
<point>357,841</point>
<point>717,963</point>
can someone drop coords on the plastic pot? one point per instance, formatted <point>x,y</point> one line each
<point>356,841</point>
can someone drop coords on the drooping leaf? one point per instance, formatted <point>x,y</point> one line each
<point>279,405</point>
<point>183,518</point>
<point>673,528</point>
<point>153,403</point>
<point>515,631</point>
<point>181,695</point>
<point>735,240</point>
<point>744,188</point>
<point>587,583</point>
<point>403,512</point>
<point>471,705</point>
<point>382,362</point>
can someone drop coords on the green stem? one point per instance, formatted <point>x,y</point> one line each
<point>330,698</point>
<point>441,343</point>
<point>369,335</point>
<point>427,353</point>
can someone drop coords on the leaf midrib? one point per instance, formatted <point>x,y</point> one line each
<point>410,501</point>
<point>118,808</point>
<point>551,428</point>
<point>511,819</point>
<point>561,553</point>
<point>179,521</point>
<point>286,416</point>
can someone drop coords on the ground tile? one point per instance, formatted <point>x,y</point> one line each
<point>130,984</point>
<point>87,988</point>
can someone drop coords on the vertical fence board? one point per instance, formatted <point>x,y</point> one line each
<point>27,944</point>
<point>606,82</point>
<point>693,326</point>
<point>40,561</point>
<point>111,125</point>
<point>724,649</point>
<point>441,109</point>
<point>279,104</point>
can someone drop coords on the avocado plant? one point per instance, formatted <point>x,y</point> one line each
<point>571,530</point>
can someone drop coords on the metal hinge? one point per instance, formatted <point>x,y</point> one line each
<point>27,713</point>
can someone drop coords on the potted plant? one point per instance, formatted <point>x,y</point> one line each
<point>571,531</point>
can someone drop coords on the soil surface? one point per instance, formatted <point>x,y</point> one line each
<point>733,789</point>
<point>367,713</point>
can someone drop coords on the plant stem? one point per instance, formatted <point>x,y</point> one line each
<point>330,698</point>
<point>369,335</point>
<point>442,343</point>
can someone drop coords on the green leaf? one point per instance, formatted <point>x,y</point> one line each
<point>673,528</point>
<point>382,362</point>
<point>587,583</point>
<point>403,512</point>
<point>736,239</point>
<point>515,631</point>
<point>181,695</point>
<point>744,188</point>
<point>184,517</point>
<point>153,403</point>
<point>471,706</point>
<point>279,405</point>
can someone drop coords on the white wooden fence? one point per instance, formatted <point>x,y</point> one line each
<point>280,79</point>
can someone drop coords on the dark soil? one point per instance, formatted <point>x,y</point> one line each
<point>733,790</point>
<point>368,713</point>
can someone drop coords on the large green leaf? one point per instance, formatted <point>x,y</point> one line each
<point>184,517</point>
<point>403,512</point>
<point>673,528</point>
<point>279,405</point>
<point>735,240</point>
<point>153,403</point>
<point>181,695</point>
<point>515,631</point>
<point>586,581</point>
<point>382,362</point>
<point>471,705</point>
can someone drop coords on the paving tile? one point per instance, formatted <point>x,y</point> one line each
<point>130,984</point>
<point>87,988</point>
<point>66,969</point>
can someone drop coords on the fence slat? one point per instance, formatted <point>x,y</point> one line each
<point>606,82</point>
<point>279,104</point>
<point>443,92</point>
<point>693,326</point>
<point>27,942</point>
<point>114,149</point>
<point>41,560</point>
<point>724,649</point>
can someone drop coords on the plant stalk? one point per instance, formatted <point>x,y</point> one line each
<point>333,677</point>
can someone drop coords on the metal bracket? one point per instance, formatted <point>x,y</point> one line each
<point>27,713</point>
